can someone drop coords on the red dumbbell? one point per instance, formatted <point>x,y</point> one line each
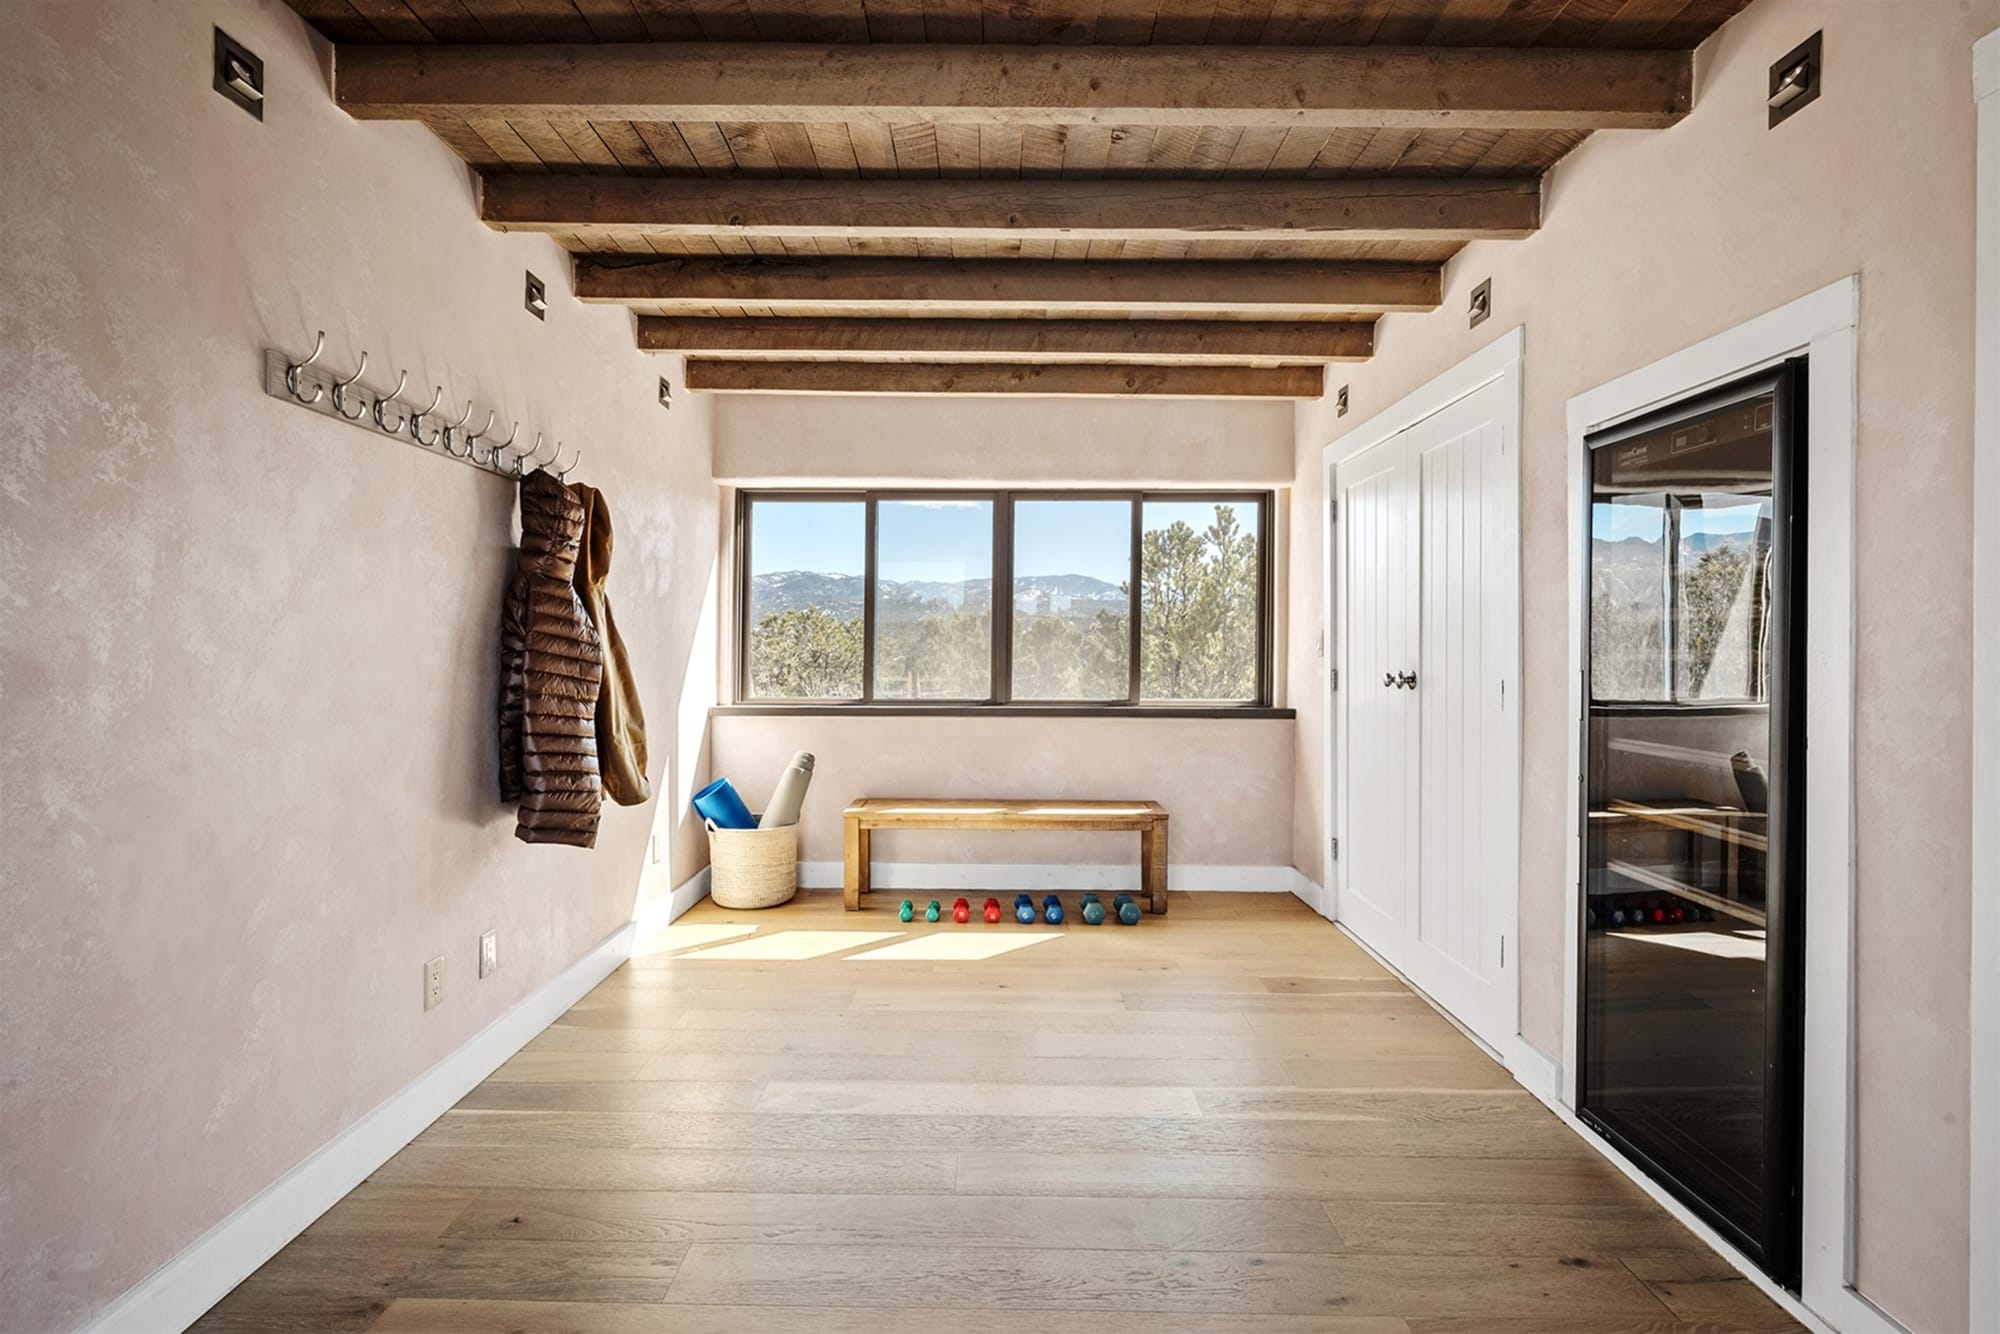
<point>992,910</point>
<point>961,912</point>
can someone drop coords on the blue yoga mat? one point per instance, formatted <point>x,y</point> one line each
<point>719,802</point>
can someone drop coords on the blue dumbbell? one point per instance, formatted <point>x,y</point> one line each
<point>1024,909</point>
<point>1052,910</point>
<point>1090,910</point>
<point>1128,911</point>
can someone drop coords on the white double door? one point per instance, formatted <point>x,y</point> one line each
<point>1427,788</point>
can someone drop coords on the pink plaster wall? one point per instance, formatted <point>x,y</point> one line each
<point>248,655</point>
<point>1226,783</point>
<point>1652,242</point>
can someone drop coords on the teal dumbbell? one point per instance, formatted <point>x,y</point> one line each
<point>1127,909</point>
<point>1091,910</point>
<point>933,912</point>
<point>907,912</point>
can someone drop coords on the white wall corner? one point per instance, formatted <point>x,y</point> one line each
<point>657,916</point>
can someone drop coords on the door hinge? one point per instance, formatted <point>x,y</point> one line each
<point>1333,511</point>
<point>1336,849</point>
<point>1503,951</point>
<point>1335,672</point>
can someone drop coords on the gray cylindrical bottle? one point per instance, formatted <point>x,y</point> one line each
<point>790,795</point>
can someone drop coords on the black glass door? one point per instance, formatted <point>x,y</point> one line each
<point>1693,805</point>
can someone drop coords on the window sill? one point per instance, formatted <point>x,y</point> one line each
<point>1153,711</point>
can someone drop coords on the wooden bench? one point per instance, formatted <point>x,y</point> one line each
<point>1149,818</point>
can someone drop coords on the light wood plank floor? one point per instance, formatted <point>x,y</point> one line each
<point>1226,1119</point>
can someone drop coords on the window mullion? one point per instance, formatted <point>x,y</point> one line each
<point>1132,602</point>
<point>1000,600</point>
<point>869,569</point>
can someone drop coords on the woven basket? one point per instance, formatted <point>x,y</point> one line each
<point>752,868</point>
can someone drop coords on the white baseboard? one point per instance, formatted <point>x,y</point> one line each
<point>1546,1084</point>
<point>1310,892</point>
<point>655,918</point>
<point>1052,876</point>
<point>176,1294</point>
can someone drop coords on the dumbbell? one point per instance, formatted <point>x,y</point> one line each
<point>1052,910</point>
<point>1024,909</point>
<point>992,910</point>
<point>1090,910</point>
<point>961,911</point>
<point>933,912</point>
<point>907,911</point>
<point>1127,909</point>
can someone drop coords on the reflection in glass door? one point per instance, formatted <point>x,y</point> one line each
<point>1693,904</point>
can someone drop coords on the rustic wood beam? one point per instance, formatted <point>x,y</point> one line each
<point>1163,341</point>
<point>1065,380</point>
<point>1301,287</point>
<point>1390,209</point>
<point>892,83</point>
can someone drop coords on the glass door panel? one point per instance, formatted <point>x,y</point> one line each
<point>1689,983</point>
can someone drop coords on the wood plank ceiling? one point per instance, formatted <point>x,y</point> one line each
<point>1173,197</point>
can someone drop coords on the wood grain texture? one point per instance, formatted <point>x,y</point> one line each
<point>1166,342</point>
<point>689,285</point>
<point>1048,380</point>
<point>1374,208</point>
<point>994,85</point>
<point>1034,1143</point>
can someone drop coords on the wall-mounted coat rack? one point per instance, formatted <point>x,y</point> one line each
<point>346,399</point>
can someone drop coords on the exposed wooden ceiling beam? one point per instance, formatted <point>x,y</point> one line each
<point>891,83</point>
<point>1356,209</point>
<point>1069,380</point>
<point>1159,341</point>
<point>681,285</point>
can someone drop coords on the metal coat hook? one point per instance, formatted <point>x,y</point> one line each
<point>416,430</point>
<point>340,388</point>
<point>381,420</point>
<point>452,431</point>
<point>472,444</point>
<point>292,371</point>
<point>562,470</point>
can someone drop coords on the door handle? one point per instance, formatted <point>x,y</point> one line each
<point>1408,680</point>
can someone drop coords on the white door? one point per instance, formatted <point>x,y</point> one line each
<point>1377,635</point>
<point>1428,618</point>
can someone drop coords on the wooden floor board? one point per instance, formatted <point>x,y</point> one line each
<point>1227,1120</point>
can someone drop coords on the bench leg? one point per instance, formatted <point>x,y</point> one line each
<point>1153,864</point>
<point>857,864</point>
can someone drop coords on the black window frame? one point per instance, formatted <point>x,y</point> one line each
<point>999,697</point>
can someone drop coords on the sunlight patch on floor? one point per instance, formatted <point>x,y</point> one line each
<point>675,938</point>
<point>949,946</point>
<point>795,945</point>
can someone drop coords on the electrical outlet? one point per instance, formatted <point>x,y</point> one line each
<point>489,953</point>
<point>434,983</point>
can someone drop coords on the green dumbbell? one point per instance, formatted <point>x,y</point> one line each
<point>933,912</point>
<point>907,911</point>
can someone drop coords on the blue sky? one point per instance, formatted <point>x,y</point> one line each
<point>1616,522</point>
<point>951,540</point>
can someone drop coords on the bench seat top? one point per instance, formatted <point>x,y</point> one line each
<point>1004,813</point>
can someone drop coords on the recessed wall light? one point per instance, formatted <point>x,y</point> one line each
<point>1340,402</point>
<point>239,74</point>
<point>537,300</point>
<point>1482,304</point>
<point>666,393</point>
<point>1794,80</point>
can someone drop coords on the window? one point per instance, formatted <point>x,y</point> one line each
<point>1004,598</point>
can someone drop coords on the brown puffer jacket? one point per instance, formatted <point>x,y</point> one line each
<point>621,723</point>
<point>551,668</point>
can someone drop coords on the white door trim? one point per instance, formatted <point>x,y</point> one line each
<point>1822,326</point>
<point>1500,360</point>
<point>1983,1304</point>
